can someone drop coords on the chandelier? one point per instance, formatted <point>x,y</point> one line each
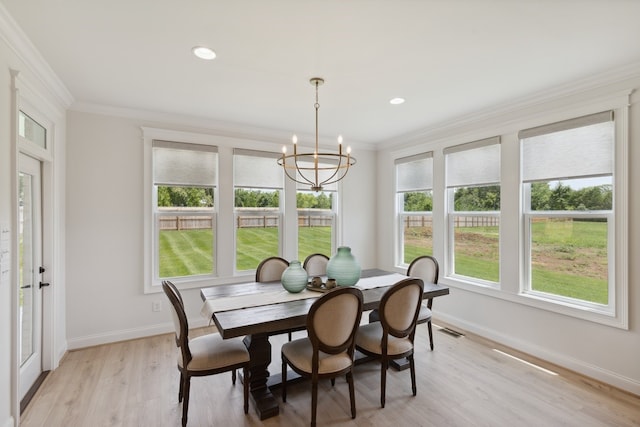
<point>316,169</point>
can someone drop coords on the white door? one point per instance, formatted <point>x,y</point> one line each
<point>29,271</point>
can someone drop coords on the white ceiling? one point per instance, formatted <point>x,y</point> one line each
<point>447,58</point>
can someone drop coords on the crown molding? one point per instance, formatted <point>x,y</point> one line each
<point>206,125</point>
<point>600,85</point>
<point>25,51</point>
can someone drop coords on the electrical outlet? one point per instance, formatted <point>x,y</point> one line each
<point>156,306</point>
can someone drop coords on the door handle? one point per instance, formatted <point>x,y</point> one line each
<point>25,287</point>
<point>43,285</point>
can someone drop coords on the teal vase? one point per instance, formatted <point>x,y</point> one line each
<point>294,278</point>
<point>343,267</point>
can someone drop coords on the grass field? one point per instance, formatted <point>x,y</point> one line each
<point>190,252</point>
<point>569,258</point>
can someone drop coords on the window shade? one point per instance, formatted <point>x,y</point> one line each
<point>582,147</point>
<point>180,164</point>
<point>414,173</point>
<point>256,169</point>
<point>473,164</point>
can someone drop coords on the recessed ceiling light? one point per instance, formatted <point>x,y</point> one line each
<point>397,101</point>
<point>203,52</point>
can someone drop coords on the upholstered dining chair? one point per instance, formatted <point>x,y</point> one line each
<point>270,270</point>
<point>392,337</point>
<point>316,265</point>
<point>328,350</point>
<point>203,355</point>
<point>426,268</point>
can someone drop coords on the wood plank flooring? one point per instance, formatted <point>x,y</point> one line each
<point>464,382</point>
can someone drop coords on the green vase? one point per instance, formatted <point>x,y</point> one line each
<point>294,278</point>
<point>343,267</point>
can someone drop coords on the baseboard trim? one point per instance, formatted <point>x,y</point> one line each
<point>9,422</point>
<point>578,366</point>
<point>129,334</point>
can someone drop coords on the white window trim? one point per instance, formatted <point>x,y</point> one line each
<point>223,202</point>
<point>511,289</point>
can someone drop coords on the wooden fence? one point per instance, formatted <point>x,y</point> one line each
<point>243,221</point>
<point>459,221</point>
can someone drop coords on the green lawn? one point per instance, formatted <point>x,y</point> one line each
<point>568,257</point>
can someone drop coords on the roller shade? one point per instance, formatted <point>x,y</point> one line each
<point>414,173</point>
<point>473,164</point>
<point>582,147</point>
<point>256,169</point>
<point>180,164</point>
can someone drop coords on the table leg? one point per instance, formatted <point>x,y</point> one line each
<point>260,352</point>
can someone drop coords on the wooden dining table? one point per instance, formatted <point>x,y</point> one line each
<point>258,310</point>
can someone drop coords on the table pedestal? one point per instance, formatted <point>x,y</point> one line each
<point>260,352</point>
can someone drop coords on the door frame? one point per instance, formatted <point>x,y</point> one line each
<point>27,98</point>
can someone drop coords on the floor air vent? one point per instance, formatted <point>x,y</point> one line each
<point>451,332</point>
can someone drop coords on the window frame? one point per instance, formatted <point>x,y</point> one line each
<point>402,216</point>
<point>451,214</point>
<point>280,212</point>
<point>614,312</point>
<point>152,283</point>
<point>332,214</point>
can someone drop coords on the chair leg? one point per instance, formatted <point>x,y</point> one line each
<point>185,404</point>
<point>430,334</point>
<point>245,388</point>
<point>284,380</point>
<point>333,382</point>
<point>352,394</point>
<point>233,376</point>
<point>180,390</point>
<point>412,367</point>
<point>383,379</point>
<point>314,401</point>
<point>289,336</point>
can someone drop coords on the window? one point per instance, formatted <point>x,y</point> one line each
<point>567,178</point>
<point>31,130</point>
<point>414,201</point>
<point>258,186</point>
<point>317,213</point>
<point>184,182</point>
<point>473,209</point>
<point>316,222</point>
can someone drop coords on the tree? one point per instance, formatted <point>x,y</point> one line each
<point>418,202</point>
<point>477,198</point>
<point>185,196</point>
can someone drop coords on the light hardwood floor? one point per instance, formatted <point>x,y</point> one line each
<point>464,382</point>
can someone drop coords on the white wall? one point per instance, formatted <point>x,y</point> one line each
<point>38,86</point>
<point>105,213</point>
<point>6,60</point>
<point>607,353</point>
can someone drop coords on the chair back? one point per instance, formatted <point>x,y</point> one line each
<point>316,265</point>
<point>271,269</point>
<point>333,321</point>
<point>425,267</point>
<point>399,308</point>
<point>179,320</point>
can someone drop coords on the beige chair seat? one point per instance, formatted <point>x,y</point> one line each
<point>369,338</point>
<point>424,315</point>
<point>212,352</point>
<point>300,353</point>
